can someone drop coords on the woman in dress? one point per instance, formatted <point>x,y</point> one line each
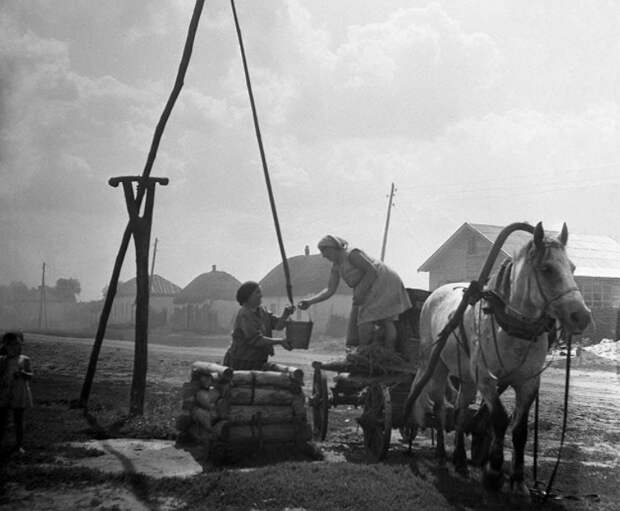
<point>379,295</point>
<point>252,341</point>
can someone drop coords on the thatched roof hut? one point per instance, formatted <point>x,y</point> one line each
<point>159,287</point>
<point>213,285</point>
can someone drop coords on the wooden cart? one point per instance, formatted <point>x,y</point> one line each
<point>382,399</point>
<point>381,396</point>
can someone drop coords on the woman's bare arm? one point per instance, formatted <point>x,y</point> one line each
<point>332,286</point>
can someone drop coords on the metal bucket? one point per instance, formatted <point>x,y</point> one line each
<point>298,333</point>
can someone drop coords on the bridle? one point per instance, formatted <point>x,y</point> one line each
<point>513,321</point>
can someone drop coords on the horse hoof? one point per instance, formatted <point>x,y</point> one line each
<point>492,479</point>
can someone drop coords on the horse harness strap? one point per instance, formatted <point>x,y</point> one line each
<point>510,320</point>
<point>515,324</point>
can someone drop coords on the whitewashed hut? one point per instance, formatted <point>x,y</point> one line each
<point>207,304</point>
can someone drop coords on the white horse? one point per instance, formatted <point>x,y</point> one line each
<point>502,342</point>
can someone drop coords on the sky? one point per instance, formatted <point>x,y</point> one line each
<point>478,111</point>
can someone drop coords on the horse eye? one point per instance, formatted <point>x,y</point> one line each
<point>546,269</point>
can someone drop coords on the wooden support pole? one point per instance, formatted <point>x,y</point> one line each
<point>141,230</point>
<point>118,263</point>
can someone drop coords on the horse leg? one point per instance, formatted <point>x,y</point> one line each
<point>525,395</point>
<point>480,436</point>
<point>466,396</point>
<point>437,394</point>
<point>493,476</point>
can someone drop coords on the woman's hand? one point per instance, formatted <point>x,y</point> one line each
<point>304,304</point>
<point>286,345</point>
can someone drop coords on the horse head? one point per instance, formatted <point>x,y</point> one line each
<point>543,283</point>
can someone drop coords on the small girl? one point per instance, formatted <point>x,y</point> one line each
<point>15,394</point>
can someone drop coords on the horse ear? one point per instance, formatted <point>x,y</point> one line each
<point>539,234</point>
<point>563,237</point>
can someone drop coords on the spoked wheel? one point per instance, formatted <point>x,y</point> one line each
<point>376,422</point>
<point>320,405</point>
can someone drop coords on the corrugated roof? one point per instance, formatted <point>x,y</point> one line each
<point>309,275</point>
<point>159,287</point>
<point>214,285</point>
<point>593,256</point>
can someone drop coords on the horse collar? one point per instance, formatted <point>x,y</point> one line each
<point>511,321</point>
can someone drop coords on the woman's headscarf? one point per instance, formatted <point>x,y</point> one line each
<point>245,291</point>
<point>330,241</point>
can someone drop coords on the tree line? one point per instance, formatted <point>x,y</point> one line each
<point>65,290</point>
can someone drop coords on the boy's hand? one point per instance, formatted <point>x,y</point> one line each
<point>288,310</point>
<point>287,345</point>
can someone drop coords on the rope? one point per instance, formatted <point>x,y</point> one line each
<point>536,418</point>
<point>564,419</point>
<point>287,275</point>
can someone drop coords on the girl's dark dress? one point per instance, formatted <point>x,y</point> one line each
<point>249,351</point>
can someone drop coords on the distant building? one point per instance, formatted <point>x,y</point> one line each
<point>597,259</point>
<point>309,275</point>
<point>207,304</point>
<point>32,309</point>
<point>161,302</point>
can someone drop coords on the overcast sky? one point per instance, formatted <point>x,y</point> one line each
<point>479,111</point>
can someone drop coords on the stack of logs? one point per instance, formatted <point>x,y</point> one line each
<point>241,408</point>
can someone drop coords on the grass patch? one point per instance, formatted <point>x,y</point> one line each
<point>306,485</point>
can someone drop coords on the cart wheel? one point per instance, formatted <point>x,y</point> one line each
<point>376,421</point>
<point>320,405</point>
<point>408,433</point>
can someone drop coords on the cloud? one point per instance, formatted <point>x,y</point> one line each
<point>415,73</point>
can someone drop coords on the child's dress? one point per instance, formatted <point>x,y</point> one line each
<point>14,392</point>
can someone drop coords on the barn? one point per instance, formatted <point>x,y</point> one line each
<point>161,304</point>
<point>207,304</point>
<point>309,275</point>
<point>597,259</point>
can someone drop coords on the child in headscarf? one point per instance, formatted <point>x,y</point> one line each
<point>379,295</point>
<point>252,341</point>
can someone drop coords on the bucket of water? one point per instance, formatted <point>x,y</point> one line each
<point>298,333</point>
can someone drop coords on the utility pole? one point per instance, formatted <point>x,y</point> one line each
<point>387,221</point>
<point>42,302</point>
